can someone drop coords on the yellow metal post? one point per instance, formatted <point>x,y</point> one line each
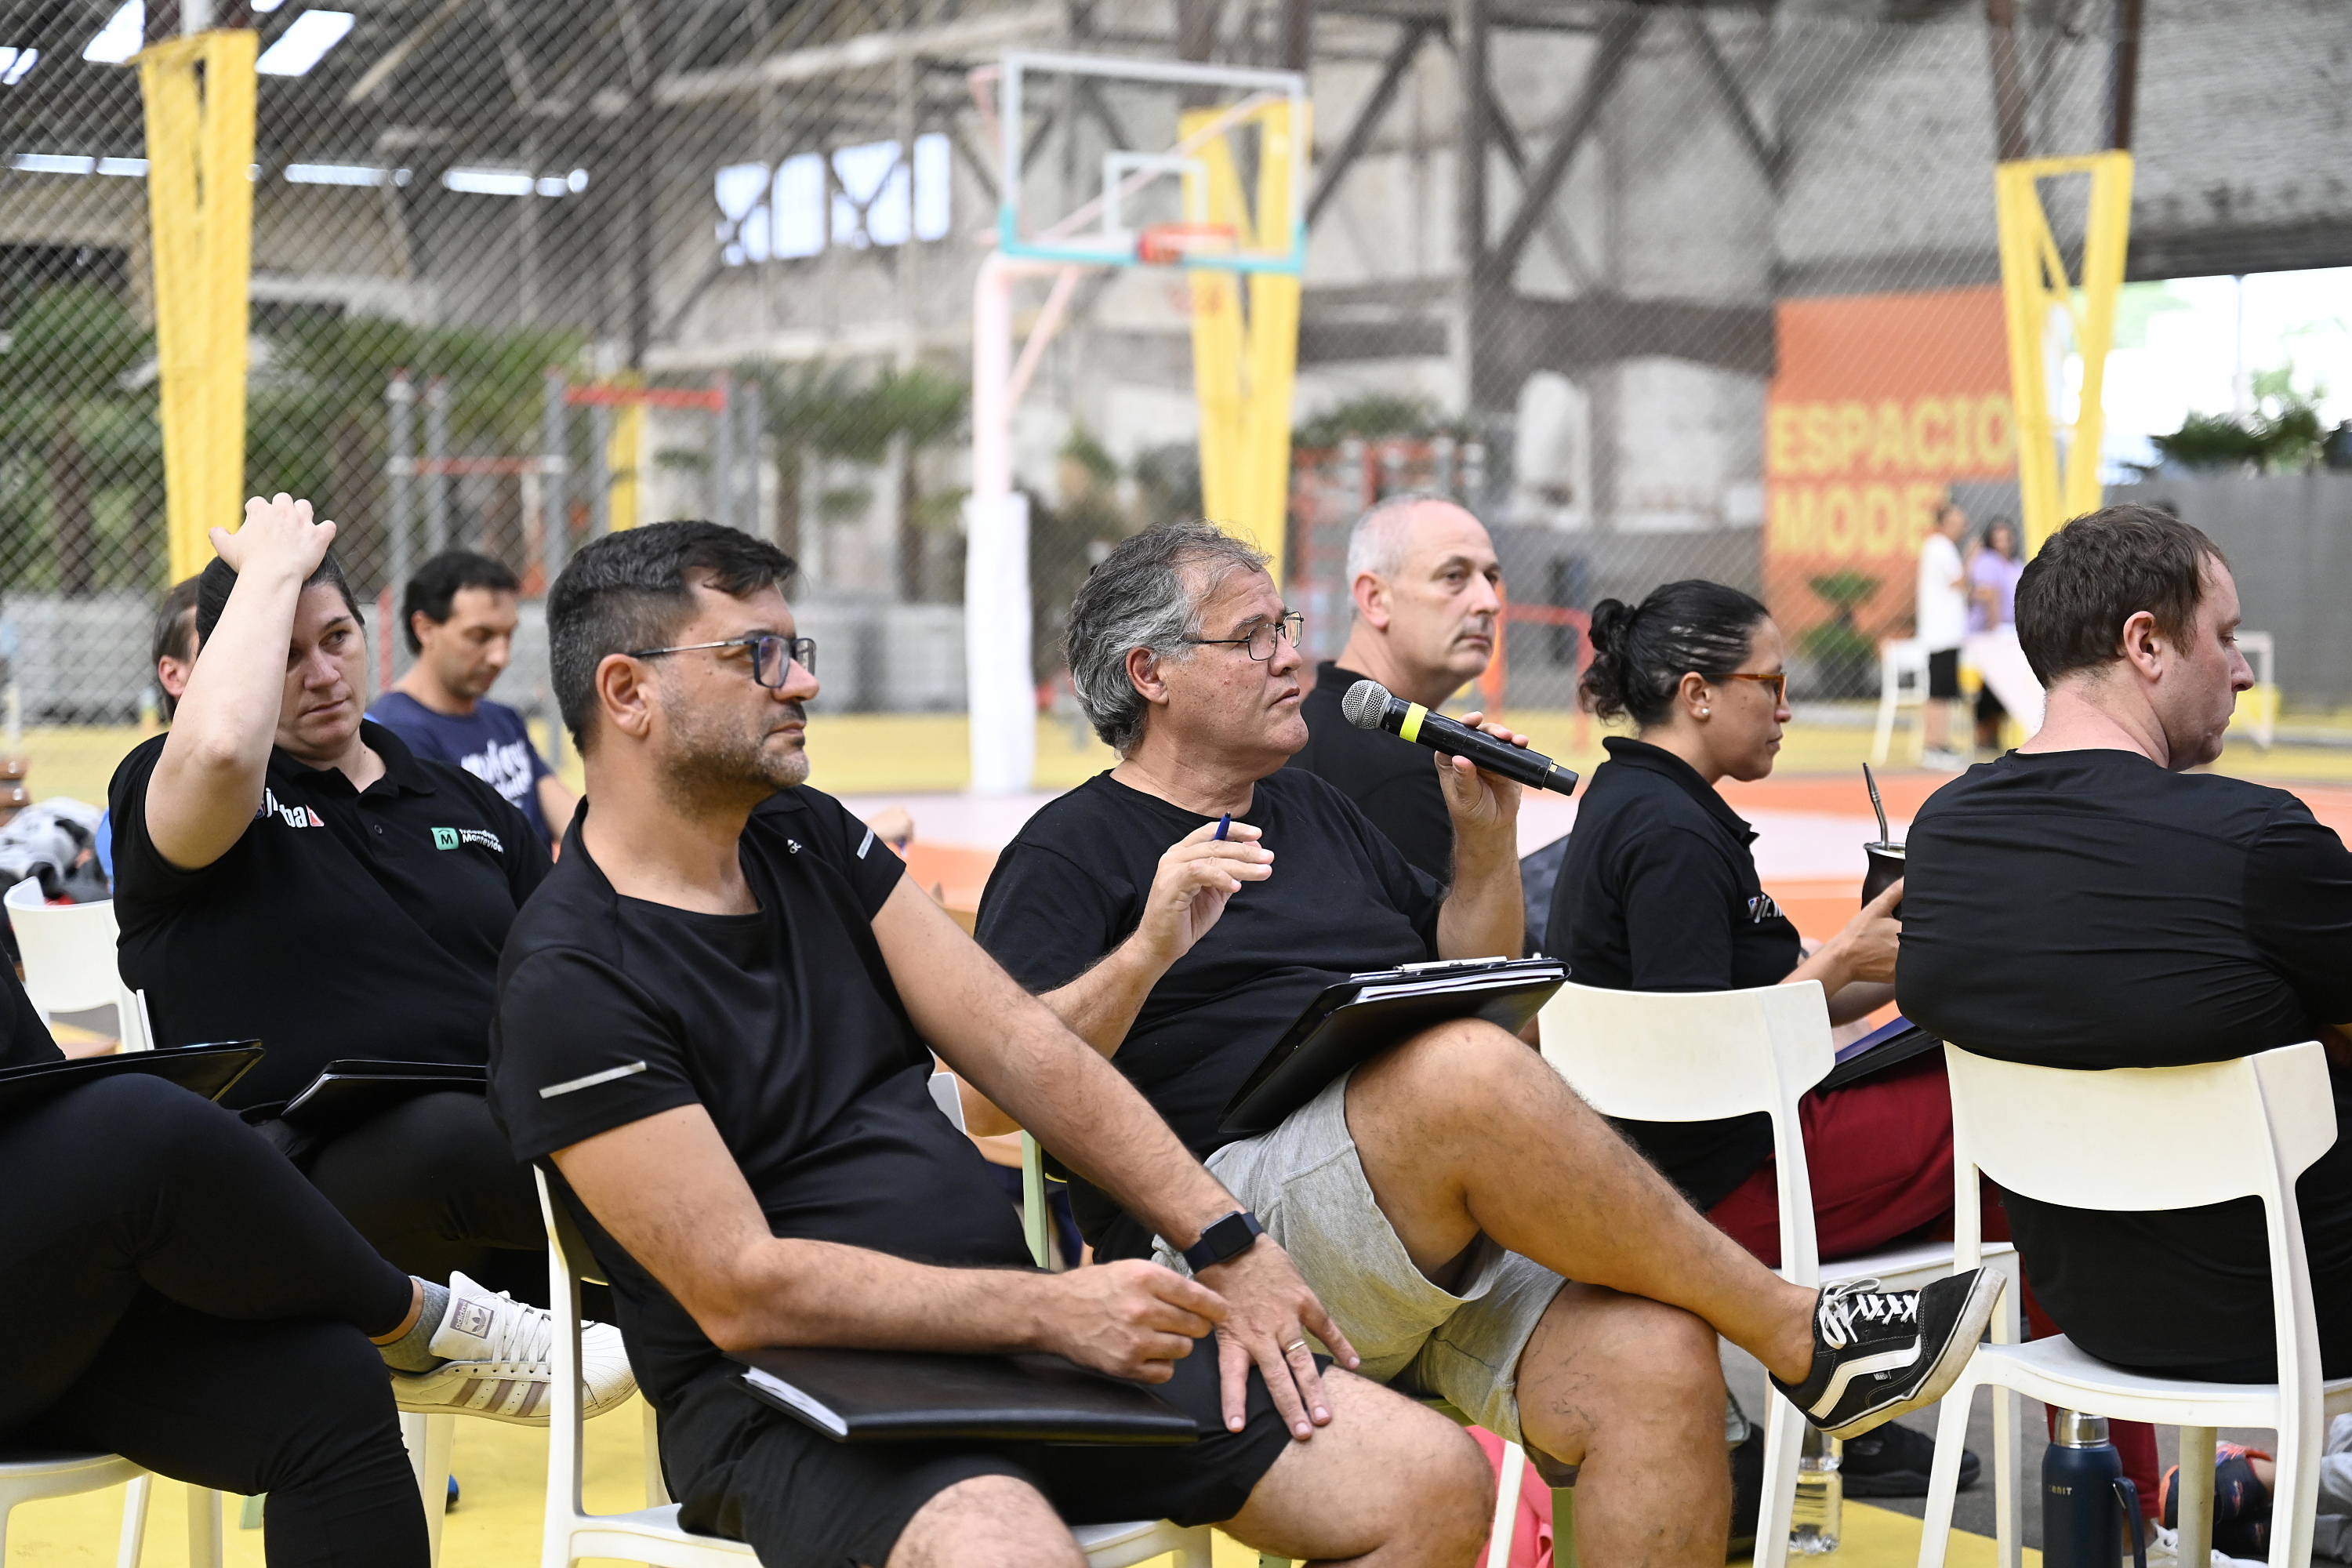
<point>2034,286</point>
<point>1243,372</point>
<point>199,98</point>
<point>625,457</point>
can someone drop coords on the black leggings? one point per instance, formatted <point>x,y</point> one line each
<point>434,1184</point>
<point>171,1290</point>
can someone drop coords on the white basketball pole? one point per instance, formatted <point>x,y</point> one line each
<point>999,680</point>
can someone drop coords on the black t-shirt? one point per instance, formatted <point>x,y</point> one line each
<point>1660,893</point>
<point>2092,910</point>
<point>1071,886</point>
<point>783,1024</point>
<point>1391,781</point>
<point>24,1035</point>
<point>343,923</point>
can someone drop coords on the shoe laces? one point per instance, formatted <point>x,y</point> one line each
<point>1851,1305</point>
<point>520,1332</point>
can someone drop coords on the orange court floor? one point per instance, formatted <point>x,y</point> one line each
<point>502,1472</point>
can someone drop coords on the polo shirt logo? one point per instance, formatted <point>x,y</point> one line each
<point>445,838</point>
<point>1761,908</point>
<point>451,838</point>
<point>291,815</point>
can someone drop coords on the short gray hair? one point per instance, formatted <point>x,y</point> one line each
<point>1376,544</point>
<point>1138,599</point>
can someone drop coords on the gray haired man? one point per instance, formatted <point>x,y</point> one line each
<point>1428,595</point>
<point>1475,1230</point>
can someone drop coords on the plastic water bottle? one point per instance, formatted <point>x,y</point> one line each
<point>1819,1515</point>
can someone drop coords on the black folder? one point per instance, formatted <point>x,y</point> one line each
<point>1348,1024</point>
<point>346,1093</point>
<point>1890,1045</point>
<point>208,1070</point>
<point>886,1396</point>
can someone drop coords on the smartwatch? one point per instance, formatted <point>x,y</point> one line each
<point>1225,1240</point>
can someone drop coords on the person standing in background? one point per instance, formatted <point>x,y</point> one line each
<point>1942,622</point>
<point>1428,606</point>
<point>460,616</point>
<point>1993,570</point>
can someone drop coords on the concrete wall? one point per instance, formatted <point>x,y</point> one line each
<point>2289,540</point>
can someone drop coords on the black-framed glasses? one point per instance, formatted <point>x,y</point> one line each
<point>771,658</point>
<point>1778,681</point>
<point>1260,641</point>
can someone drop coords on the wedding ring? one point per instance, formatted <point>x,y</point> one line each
<point>1294,1345</point>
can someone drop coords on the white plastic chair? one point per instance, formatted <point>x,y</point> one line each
<point>1706,1055</point>
<point>2245,1127</point>
<point>652,1534</point>
<point>68,952</point>
<point>28,1475</point>
<point>1902,683</point>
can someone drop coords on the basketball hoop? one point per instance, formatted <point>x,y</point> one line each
<point>1174,243</point>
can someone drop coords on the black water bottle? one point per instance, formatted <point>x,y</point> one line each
<point>2089,1506</point>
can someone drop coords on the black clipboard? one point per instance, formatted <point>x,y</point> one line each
<point>1892,1044</point>
<point>346,1093</point>
<point>210,1071</point>
<point>904,1396</point>
<point>1348,1024</point>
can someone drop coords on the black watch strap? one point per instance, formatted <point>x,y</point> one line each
<point>1227,1239</point>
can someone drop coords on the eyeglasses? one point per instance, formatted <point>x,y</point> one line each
<point>1260,642</point>
<point>1777,680</point>
<point>770,657</point>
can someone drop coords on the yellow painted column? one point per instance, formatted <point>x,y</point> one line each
<point>1264,510</point>
<point>1213,195</point>
<point>2035,285</point>
<point>625,457</point>
<point>199,98</point>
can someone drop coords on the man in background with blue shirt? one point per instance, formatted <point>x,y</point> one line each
<point>460,616</point>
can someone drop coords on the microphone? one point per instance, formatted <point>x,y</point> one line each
<point>1369,705</point>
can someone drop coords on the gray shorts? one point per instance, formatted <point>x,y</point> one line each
<point>1307,1187</point>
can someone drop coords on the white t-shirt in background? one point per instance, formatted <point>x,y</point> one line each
<point>1943,610</point>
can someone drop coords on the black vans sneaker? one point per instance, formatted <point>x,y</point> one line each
<point>1893,1462</point>
<point>1877,1353</point>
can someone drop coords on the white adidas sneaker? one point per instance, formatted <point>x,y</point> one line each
<point>499,1363</point>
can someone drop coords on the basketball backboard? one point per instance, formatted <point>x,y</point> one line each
<point>1153,163</point>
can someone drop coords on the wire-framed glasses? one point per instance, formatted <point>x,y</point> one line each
<point>1260,641</point>
<point>773,657</point>
<point>1778,681</point>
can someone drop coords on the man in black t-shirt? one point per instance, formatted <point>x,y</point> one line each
<point>1179,910</point>
<point>2088,902</point>
<point>1428,600</point>
<point>712,1026</point>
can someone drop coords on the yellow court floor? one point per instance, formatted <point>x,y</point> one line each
<point>502,1471</point>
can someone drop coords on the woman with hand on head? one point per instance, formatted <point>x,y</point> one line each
<point>287,871</point>
<point>1660,893</point>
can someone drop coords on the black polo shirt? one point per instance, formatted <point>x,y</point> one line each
<point>343,923</point>
<point>1391,781</point>
<point>1660,893</point>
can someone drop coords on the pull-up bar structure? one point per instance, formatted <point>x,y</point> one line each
<point>725,400</point>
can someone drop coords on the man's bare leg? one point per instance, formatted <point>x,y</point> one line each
<point>1631,1391</point>
<point>1387,1484</point>
<point>1463,1130</point>
<point>988,1521</point>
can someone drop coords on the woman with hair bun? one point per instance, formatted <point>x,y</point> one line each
<point>1659,893</point>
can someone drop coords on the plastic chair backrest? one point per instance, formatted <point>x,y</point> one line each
<point>2128,1139</point>
<point>1699,1055</point>
<point>68,951</point>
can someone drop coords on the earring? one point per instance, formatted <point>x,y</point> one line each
<point>1702,712</point>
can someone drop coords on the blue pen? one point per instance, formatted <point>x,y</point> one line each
<point>1222,822</point>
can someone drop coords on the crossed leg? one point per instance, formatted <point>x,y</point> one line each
<point>1388,1484</point>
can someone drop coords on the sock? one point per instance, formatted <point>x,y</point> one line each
<point>409,1352</point>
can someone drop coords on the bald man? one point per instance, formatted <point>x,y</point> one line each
<point>1428,594</point>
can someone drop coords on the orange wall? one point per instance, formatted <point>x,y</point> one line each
<point>1880,401</point>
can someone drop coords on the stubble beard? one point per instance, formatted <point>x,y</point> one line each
<point>719,763</point>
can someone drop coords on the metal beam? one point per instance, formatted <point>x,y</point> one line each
<point>974,36</point>
<point>392,58</point>
<point>1768,153</point>
<point>1368,119</point>
<point>1615,47</point>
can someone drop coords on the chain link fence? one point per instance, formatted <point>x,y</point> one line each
<point>524,272</point>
